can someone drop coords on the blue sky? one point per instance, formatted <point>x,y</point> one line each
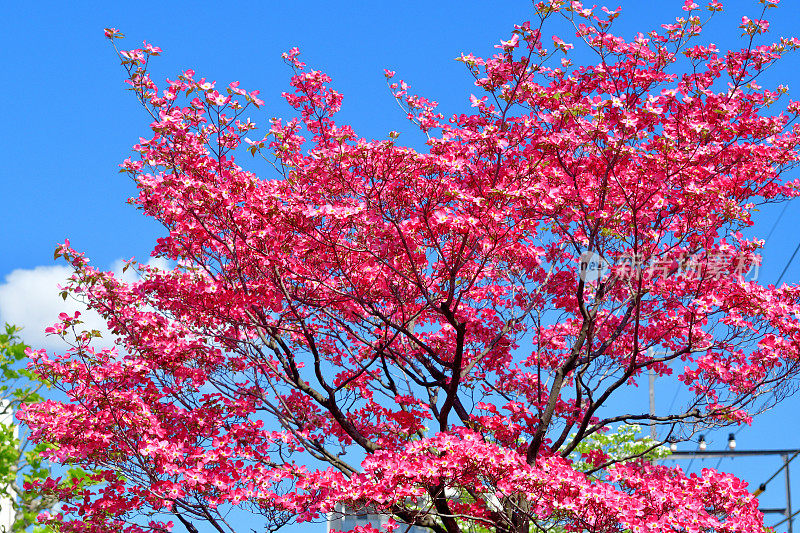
<point>68,121</point>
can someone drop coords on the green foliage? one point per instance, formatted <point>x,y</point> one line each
<point>19,386</point>
<point>620,445</point>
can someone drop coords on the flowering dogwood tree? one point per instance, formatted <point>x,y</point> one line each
<point>418,333</point>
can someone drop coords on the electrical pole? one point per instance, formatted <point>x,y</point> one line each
<point>789,514</point>
<point>785,455</point>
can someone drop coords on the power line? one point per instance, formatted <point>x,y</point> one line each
<point>777,220</point>
<point>675,397</point>
<point>787,518</point>
<point>716,467</point>
<point>763,486</point>
<point>787,264</point>
<point>772,230</point>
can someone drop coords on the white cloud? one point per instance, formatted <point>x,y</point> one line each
<point>30,299</point>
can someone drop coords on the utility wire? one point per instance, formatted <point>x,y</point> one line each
<point>787,264</point>
<point>675,396</point>
<point>763,486</point>
<point>772,230</point>
<point>787,518</point>
<point>716,467</point>
<point>775,224</point>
